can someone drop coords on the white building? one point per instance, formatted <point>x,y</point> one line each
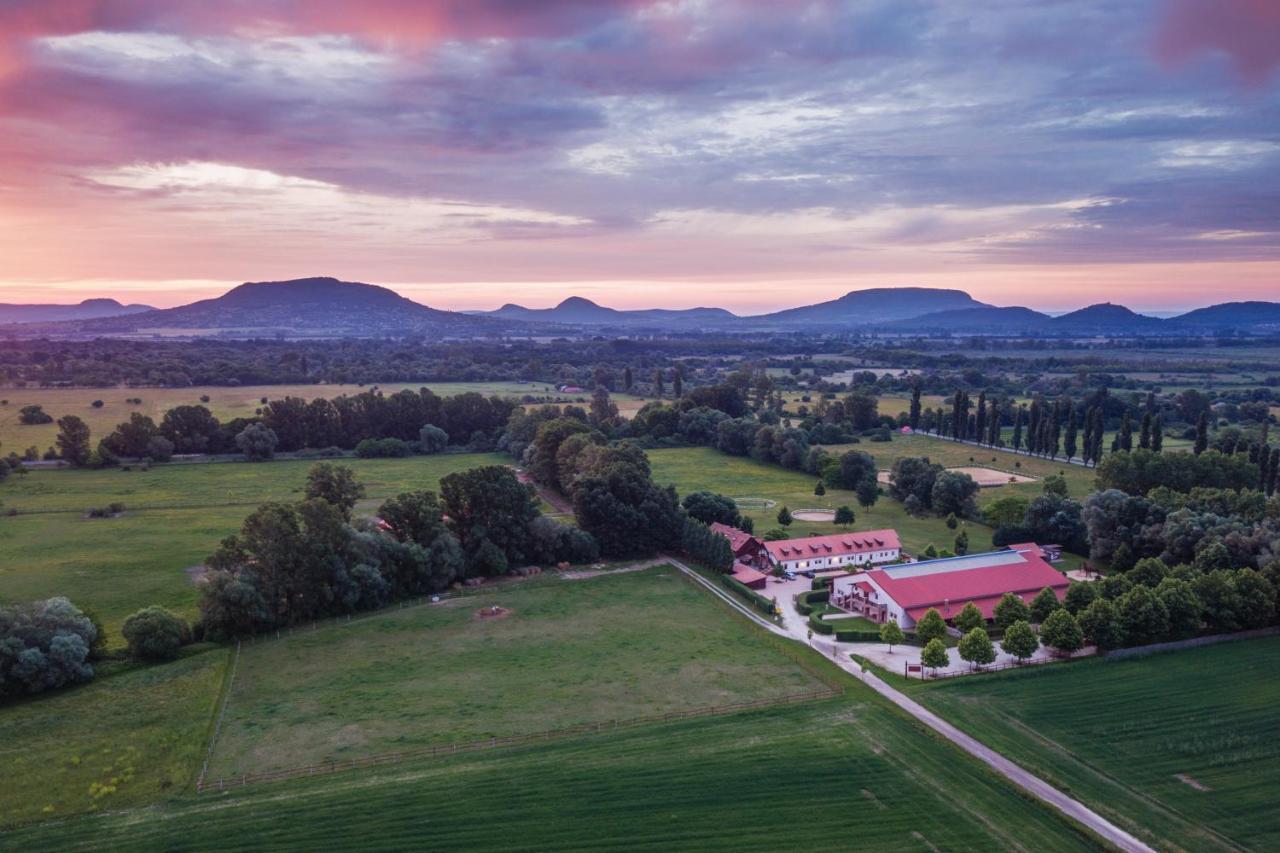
<point>839,550</point>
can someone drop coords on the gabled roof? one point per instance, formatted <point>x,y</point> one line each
<point>737,538</point>
<point>834,545</point>
<point>950,583</point>
<point>744,574</point>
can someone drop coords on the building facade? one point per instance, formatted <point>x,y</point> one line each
<point>836,551</point>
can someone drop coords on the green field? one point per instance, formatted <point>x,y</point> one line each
<point>848,773</point>
<point>225,403</point>
<point>1180,748</point>
<point>139,732</point>
<point>614,647</point>
<point>118,565</point>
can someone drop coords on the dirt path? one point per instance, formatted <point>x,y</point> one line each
<point>554,499</point>
<point>584,574</point>
<point>1025,780</point>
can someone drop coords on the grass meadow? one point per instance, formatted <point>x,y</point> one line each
<point>131,737</point>
<point>614,647</point>
<point>845,773</point>
<point>175,517</point>
<point>1179,747</point>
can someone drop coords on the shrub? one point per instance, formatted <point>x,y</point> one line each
<point>154,633</point>
<point>382,448</point>
<point>819,626</point>
<point>432,439</point>
<point>46,644</point>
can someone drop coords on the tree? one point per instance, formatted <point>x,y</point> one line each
<point>935,655</point>
<point>1006,511</point>
<point>931,625</point>
<point>1011,608</point>
<point>1055,484</point>
<point>1079,596</point>
<point>1183,606</point>
<point>709,507</point>
<point>868,492</point>
<point>784,516</point>
<point>489,505</point>
<point>1045,602</point>
<point>73,440</point>
<point>44,645</point>
<point>658,387</point>
<point>954,492</point>
<point>890,634</point>
<point>952,522</point>
<point>1143,617</point>
<point>1202,434</point>
<point>132,437</point>
<point>819,489</point>
<point>1020,641</point>
<point>976,648</point>
<point>961,545</point>
<point>1061,631</point>
<point>432,439</point>
<point>1101,625</point>
<point>627,380</point>
<point>335,484</point>
<point>852,468</point>
<point>192,429</point>
<point>155,634</point>
<point>257,442</point>
<point>844,516</point>
<point>413,517</point>
<point>969,618</point>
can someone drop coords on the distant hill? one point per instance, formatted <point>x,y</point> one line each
<point>89,309</point>
<point>577,310</point>
<point>1105,317</point>
<point>312,306</point>
<point>876,305</point>
<point>989,319</point>
<point>1232,315</point>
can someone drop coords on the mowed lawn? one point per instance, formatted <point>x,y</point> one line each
<point>125,739</point>
<point>118,565</point>
<point>1180,747</point>
<point>697,468</point>
<point>841,774</point>
<point>613,647</point>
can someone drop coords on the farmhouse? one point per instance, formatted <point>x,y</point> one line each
<point>835,551</point>
<point>903,593</point>
<point>747,549</point>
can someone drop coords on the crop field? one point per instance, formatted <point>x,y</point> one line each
<point>695,468</point>
<point>225,403</point>
<point>614,647</point>
<point>128,738</point>
<point>175,516</point>
<point>1179,747</point>
<point>838,774</point>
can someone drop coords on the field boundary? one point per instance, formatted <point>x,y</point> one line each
<point>225,783</point>
<point>223,699</point>
<point>1190,643</point>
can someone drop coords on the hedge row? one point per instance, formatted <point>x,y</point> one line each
<point>806,602</point>
<point>819,626</point>
<point>755,599</point>
<point>821,583</point>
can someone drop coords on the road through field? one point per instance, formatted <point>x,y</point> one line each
<point>1025,780</point>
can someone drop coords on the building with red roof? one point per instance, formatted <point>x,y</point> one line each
<point>836,551</point>
<point>903,593</point>
<point>747,549</point>
<point>749,577</point>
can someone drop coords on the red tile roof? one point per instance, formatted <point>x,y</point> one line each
<point>737,538</point>
<point>949,584</point>
<point>836,544</point>
<point>744,574</point>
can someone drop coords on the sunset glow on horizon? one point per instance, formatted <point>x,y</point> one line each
<point>642,154</point>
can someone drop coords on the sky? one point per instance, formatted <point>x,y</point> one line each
<point>642,153</point>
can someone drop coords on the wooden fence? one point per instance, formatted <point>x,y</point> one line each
<point>224,783</point>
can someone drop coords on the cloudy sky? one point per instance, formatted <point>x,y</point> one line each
<point>756,155</point>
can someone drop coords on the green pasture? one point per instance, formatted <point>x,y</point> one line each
<point>844,773</point>
<point>129,738</point>
<point>697,468</point>
<point>570,652</point>
<point>175,517</point>
<point>1180,748</point>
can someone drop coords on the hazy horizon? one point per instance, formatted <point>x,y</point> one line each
<point>643,154</point>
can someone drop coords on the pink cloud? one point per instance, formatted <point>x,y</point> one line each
<point>1246,31</point>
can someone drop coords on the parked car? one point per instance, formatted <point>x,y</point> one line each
<point>789,575</point>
